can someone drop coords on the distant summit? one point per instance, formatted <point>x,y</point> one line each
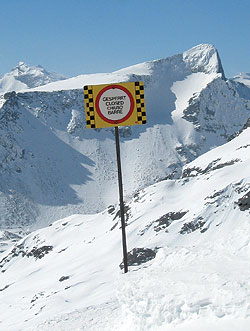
<point>25,77</point>
<point>243,78</point>
<point>204,58</point>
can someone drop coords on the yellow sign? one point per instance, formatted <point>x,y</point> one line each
<point>110,105</point>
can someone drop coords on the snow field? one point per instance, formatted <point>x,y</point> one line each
<point>187,284</point>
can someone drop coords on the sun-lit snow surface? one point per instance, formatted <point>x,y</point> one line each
<point>67,276</point>
<point>53,167</point>
<point>23,77</point>
<point>202,58</point>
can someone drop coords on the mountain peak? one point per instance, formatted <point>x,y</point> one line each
<point>22,64</point>
<point>204,58</point>
<point>24,76</point>
<point>243,78</point>
<point>20,69</point>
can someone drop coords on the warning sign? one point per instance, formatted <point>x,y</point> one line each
<point>112,105</point>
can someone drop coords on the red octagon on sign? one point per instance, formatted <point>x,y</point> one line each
<point>130,104</point>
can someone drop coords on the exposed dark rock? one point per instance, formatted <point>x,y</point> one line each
<point>39,252</point>
<point>5,287</point>
<point>62,250</point>
<point>16,251</point>
<point>114,226</point>
<point>244,202</point>
<point>174,174</point>
<point>193,226</point>
<point>164,221</point>
<point>239,188</point>
<point>191,112</point>
<point>40,310</point>
<point>136,196</point>
<point>215,195</point>
<point>191,172</point>
<point>9,95</point>
<point>236,134</point>
<point>36,297</point>
<point>222,165</point>
<point>244,146</point>
<point>111,209</point>
<point>63,278</point>
<point>215,198</point>
<point>195,171</point>
<point>137,256</point>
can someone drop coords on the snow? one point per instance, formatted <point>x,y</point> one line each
<point>191,85</point>
<point>187,285</point>
<point>204,58</point>
<point>243,78</point>
<point>81,80</point>
<point>54,167</point>
<point>198,277</point>
<point>9,83</point>
<point>195,223</point>
<point>24,77</point>
<point>141,69</point>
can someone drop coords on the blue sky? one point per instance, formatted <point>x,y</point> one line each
<point>76,36</point>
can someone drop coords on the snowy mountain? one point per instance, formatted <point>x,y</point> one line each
<point>24,76</point>
<point>243,78</point>
<point>53,167</point>
<point>189,244</point>
<point>187,204</point>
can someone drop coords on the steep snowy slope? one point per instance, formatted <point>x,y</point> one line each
<point>189,244</point>
<point>52,166</point>
<point>23,77</point>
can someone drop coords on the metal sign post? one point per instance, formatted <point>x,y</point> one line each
<point>114,105</point>
<point>124,243</point>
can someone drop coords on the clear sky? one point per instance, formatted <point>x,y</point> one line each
<point>87,36</point>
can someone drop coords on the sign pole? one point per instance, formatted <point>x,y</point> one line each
<point>124,244</point>
<point>114,105</point>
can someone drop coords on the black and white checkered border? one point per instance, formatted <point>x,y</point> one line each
<point>89,107</point>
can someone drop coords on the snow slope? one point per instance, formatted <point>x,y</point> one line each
<point>189,240</point>
<point>23,77</point>
<point>53,167</point>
